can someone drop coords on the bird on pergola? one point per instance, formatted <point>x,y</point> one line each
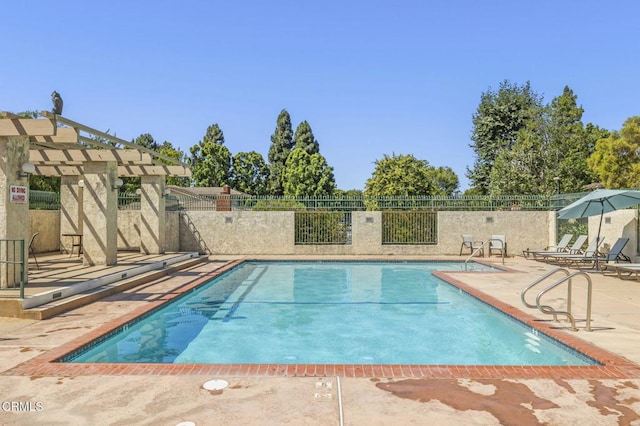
<point>57,103</point>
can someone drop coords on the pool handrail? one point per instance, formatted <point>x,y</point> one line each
<point>481,248</point>
<point>549,310</point>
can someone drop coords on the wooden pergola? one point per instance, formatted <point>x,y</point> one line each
<point>90,164</point>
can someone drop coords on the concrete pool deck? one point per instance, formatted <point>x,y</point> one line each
<point>36,391</point>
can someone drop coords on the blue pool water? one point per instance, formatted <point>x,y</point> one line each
<point>330,313</point>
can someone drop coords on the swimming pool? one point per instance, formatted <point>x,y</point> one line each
<point>329,313</point>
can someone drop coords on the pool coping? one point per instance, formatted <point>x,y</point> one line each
<point>614,366</point>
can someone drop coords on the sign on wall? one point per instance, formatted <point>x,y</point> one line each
<point>18,194</point>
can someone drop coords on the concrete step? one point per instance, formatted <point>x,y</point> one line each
<point>66,304</point>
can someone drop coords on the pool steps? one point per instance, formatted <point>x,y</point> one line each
<point>63,299</point>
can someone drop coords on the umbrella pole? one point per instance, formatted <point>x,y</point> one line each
<point>598,237</point>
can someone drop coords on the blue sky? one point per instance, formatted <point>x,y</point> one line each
<point>371,77</point>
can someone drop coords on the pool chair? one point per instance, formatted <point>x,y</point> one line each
<point>615,255</point>
<point>560,248</point>
<point>567,258</point>
<point>468,243</point>
<point>498,243</point>
<point>630,270</point>
<point>576,248</point>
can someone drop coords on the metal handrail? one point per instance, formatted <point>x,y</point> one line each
<point>538,281</point>
<point>482,246</point>
<point>549,310</point>
<point>17,254</point>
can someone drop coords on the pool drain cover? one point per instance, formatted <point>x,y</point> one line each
<point>215,384</point>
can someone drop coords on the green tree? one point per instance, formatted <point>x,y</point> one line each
<point>496,123</point>
<point>132,183</point>
<point>304,139</point>
<point>571,145</point>
<point>281,146</point>
<point>405,175</point>
<point>307,175</point>
<point>549,152</point>
<point>522,168</point>
<point>446,181</point>
<point>210,159</point>
<point>170,151</point>
<point>249,173</point>
<point>616,159</point>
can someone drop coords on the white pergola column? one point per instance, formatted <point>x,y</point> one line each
<point>152,215</point>
<point>14,207</point>
<point>100,213</point>
<point>70,209</point>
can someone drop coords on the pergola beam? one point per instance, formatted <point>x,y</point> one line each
<point>12,126</point>
<point>112,138</point>
<point>78,156</point>
<point>123,171</point>
<point>63,135</point>
<point>156,170</point>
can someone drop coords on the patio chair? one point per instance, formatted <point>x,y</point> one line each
<point>632,270</point>
<point>498,243</point>
<point>576,248</point>
<point>615,255</point>
<point>561,247</point>
<point>590,253</point>
<point>31,252</point>
<point>468,243</point>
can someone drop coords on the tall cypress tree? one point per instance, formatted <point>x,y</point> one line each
<point>211,160</point>
<point>304,139</point>
<point>281,146</point>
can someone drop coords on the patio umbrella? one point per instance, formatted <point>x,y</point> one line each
<point>600,201</point>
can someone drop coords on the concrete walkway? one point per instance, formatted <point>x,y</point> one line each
<point>149,398</point>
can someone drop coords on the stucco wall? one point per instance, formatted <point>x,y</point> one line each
<point>128,230</point>
<point>620,223</point>
<point>47,223</point>
<point>272,233</point>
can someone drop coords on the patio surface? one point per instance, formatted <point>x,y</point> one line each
<point>36,391</point>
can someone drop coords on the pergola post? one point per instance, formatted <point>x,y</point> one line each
<point>152,215</point>
<point>70,209</point>
<point>100,213</point>
<point>14,206</point>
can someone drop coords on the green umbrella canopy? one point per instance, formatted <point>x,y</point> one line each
<point>599,202</point>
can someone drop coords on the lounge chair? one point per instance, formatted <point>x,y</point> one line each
<point>562,247</point>
<point>576,248</point>
<point>498,243</point>
<point>615,255</point>
<point>468,243</point>
<point>628,269</point>
<point>589,254</point>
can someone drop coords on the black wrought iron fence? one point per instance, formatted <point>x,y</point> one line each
<point>409,227</point>
<point>322,227</point>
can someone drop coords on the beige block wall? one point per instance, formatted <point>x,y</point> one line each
<point>128,230</point>
<point>47,223</point>
<point>272,233</point>
<point>620,223</point>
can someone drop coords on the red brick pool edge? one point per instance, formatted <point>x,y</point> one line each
<point>613,366</point>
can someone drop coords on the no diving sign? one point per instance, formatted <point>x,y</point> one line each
<point>18,194</point>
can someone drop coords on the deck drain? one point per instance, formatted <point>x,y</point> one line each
<point>323,396</point>
<point>325,385</point>
<point>215,384</point>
